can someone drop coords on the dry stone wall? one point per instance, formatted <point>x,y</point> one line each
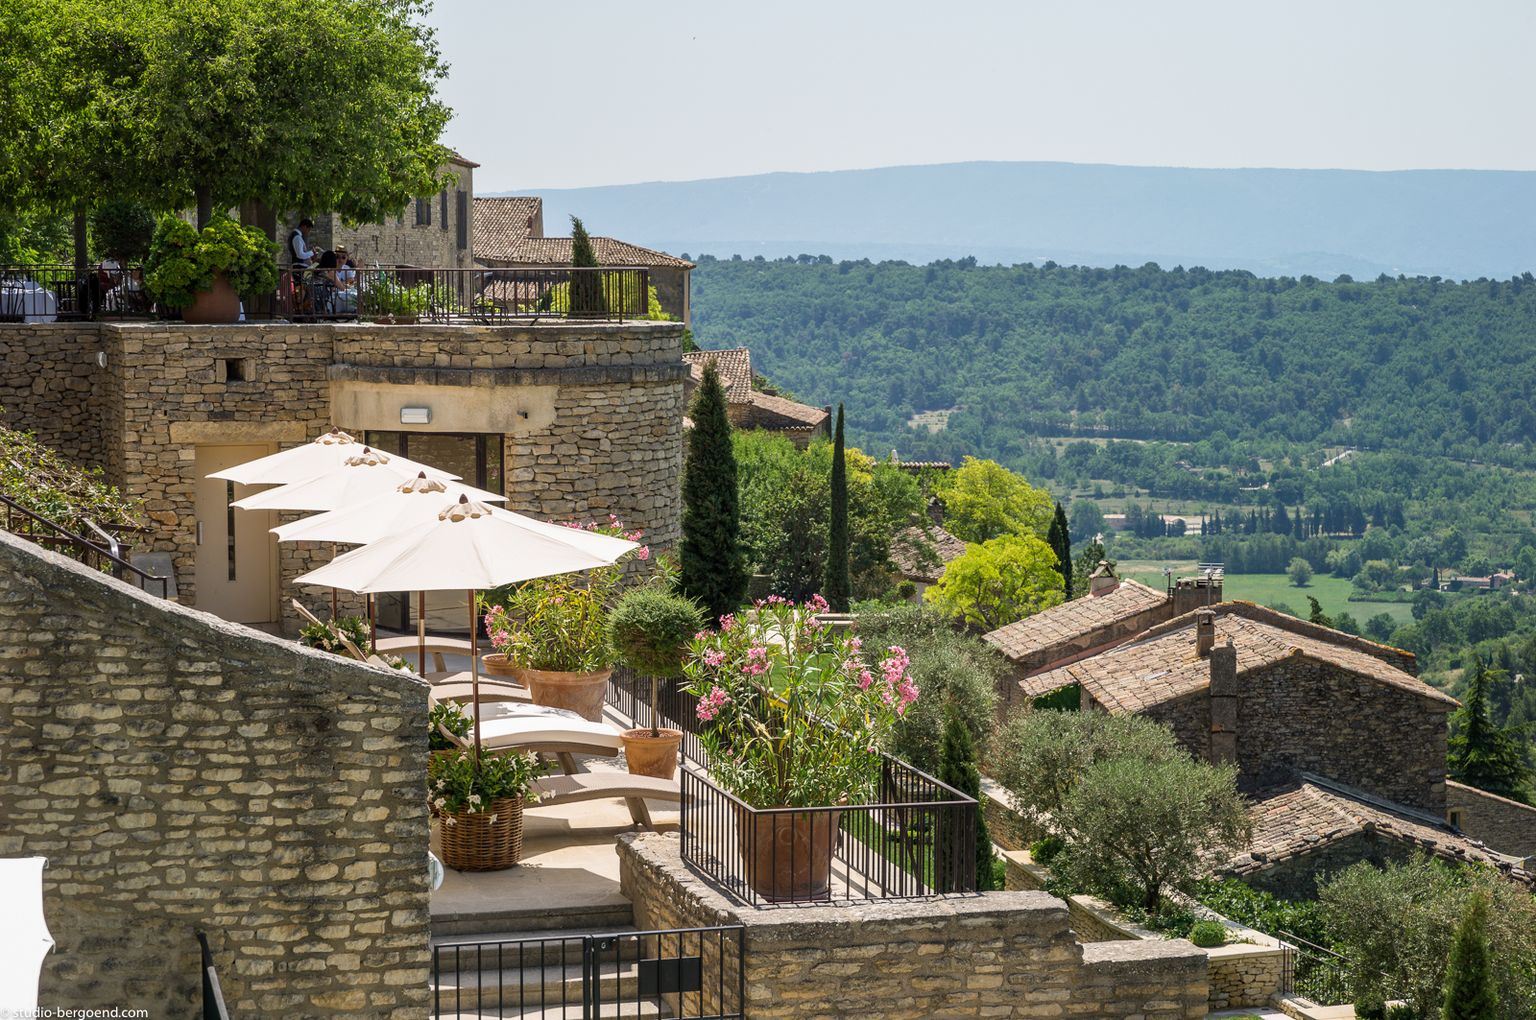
<point>1504,825</point>
<point>1005,954</point>
<point>181,773</point>
<point>51,384</point>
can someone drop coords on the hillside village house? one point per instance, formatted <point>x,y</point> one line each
<point>749,408</point>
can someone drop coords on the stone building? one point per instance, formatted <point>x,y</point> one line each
<point>573,420</point>
<point>749,408</point>
<point>434,231</point>
<point>509,234</point>
<point>921,551</point>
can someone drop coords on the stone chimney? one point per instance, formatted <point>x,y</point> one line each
<point>1103,580</point>
<point>1190,593</point>
<point>1205,633</point>
<point>1223,693</point>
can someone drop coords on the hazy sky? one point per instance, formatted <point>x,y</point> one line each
<point>616,91</point>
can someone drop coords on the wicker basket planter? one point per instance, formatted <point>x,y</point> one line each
<point>471,841</point>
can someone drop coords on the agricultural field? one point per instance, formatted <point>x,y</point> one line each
<point>1332,593</point>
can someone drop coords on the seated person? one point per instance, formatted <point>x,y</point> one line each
<point>341,278</point>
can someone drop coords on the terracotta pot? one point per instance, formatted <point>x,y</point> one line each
<point>649,755</point>
<point>582,693</point>
<point>788,854</point>
<point>497,664</point>
<point>472,842</point>
<point>218,305</point>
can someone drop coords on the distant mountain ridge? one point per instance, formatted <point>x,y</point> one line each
<point>1460,224</point>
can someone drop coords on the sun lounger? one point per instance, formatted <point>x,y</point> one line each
<point>407,646</point>
<point>635,790</point>
<point>551,731</point>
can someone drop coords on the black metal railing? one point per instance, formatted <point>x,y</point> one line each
<point>631,696</point>
<point>916,837</point>
<point>478,295</point>
<point>693,973</point>
<point>52,292</point>
<point>1313,972</point>
<point>213,995</point>
<point>106,552</point>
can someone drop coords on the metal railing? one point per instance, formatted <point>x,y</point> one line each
<point>52,292</point>
<point>107,554</point>
<point>1313,972</point>
<point>631,696</point>
<point>693,973</point>
<point>915,838</point>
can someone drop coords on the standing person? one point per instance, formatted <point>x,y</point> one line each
<point>300,257</point>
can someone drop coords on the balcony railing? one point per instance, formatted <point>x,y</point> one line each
<point>399,294</point>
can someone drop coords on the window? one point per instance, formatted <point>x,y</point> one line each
<point>442,208</point>
<point>423,212</point>
<point>463,212</point>
<point>233,370</point>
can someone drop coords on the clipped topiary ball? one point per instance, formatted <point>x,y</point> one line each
<point>1208,934</point>
<point>649,630</point>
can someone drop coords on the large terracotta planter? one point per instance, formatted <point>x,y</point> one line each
<point>219,305</point>
<point>648,755</point>
<point>582,693</point>
<point>788,854</point>
<point>497,664</point>
<point>472,842</point>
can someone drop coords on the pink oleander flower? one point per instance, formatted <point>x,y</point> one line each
<point>644,553</point>
<point>701,635</point>
<point>710,705</point>
<point>865,679</point>
<point>727,622</point>
<point>813,625</point>
<point>714,657</point>
<point>816,604</point>
<point>855,643</point>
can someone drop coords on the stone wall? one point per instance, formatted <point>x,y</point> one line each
<point>1004,954</point>
<point>181,773</point>
<point>51,385</point>
<point>1504,825</point>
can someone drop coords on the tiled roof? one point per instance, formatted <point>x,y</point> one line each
<point>906,552</point>
<point>1161,664</point>
<point>777,412</point>
<point>455,157</point>
<point>735,367</point>
<point>1301,817</point>
<point>1074,619</point>
<point>1285,621</point>
<point>610,251</point>
<point>1041,684</point>
<point>501,224</point>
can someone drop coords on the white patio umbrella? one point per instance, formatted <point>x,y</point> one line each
<point>24,937</point>
<point>363,475</point>
<point>304,462</point>
<point>469,546</point>
<point>408,505</point>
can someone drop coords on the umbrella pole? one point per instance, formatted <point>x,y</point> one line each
<point>474,669</point>
<point>333,590</point>
<point>421,632</point>
<point>373,627</point>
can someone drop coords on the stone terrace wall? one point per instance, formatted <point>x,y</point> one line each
<point>1007,954</point>
<point>51,385</point>
<point>182,773</point>
<point>1504,825</point>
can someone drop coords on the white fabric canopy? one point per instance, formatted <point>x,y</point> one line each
<point>363,476</point>
<point>407,505</point>
<point>302,463</point>
<point>24,938</point>
<point>468,545</point>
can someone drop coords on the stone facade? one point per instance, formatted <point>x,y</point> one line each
<point>436,231</point>
<point>180,773</point>
<point>1505,825</point>
<point>1004,954</point>
<point>590,413</point>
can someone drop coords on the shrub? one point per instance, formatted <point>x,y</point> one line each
<point>43,482</point>
<point>353,628</point>
<point>1208,934</point>
<point>471,782</point>
<point>1045,850</point>
<point>957,767</point>
<point>1470,993</point>
<point>183,260</point>
<point>122,230</point>
<point>446,715</point>
<point>650,630</point>
<point>1262,910</point>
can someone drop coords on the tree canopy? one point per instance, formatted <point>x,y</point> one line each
<point>984,500</point>
<point>999,581</point>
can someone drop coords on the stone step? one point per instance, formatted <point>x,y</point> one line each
<point>570,1012</point>
<point>558,985</point>
<point>551,945</point>
<point>603,917</point>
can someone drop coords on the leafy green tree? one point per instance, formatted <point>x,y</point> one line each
<point>712,567</point>
<point>1380,627</point>
<point>1060,540</point>
<point>838,588</point>
<point>1316,615</point>
<point>1481,754</point>
<point>984,500</point>
<point>957,767</point>
<point>1300,572</point>
<point>1086,519</point>
<point>1470,991</point>
<point>999,581</point>
<point>586,288</point>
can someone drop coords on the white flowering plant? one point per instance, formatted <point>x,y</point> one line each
<point>467,782</point>
<point>795,713</point>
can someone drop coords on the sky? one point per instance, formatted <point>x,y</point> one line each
<point>613,92</point>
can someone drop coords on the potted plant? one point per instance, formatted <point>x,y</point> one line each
<point>446,722</point>
<point>551,632</point>
<point>649,631</point>
<point>479,800</point>
<point>387,300</point>
<point>204,272</point>
<point>795,714</point>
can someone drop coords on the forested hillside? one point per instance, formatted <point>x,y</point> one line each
<point>1421,365</point>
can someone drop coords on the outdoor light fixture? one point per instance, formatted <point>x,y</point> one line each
<point>101,359</point>
<point>415,416</point>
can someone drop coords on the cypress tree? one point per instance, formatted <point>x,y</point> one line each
<point>957,768</point>
<point>712,568</point>
<point>586,289</point>
<point>1470,991</point>
<point>836,587</point>
<point>1060,541</point>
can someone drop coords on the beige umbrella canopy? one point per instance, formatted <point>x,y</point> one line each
<point>24,938</point>
<point>361,476</point>
<point>472,546</point>
<point>304,462</point>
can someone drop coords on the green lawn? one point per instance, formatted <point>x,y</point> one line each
<point>1332,593</point>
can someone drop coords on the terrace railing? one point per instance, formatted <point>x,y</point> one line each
<point>104,552</point>
<point>55,292</point>
<point>1313,972</point>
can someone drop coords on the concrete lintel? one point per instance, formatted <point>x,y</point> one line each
<point>586,375</point>
<point>215,432</point>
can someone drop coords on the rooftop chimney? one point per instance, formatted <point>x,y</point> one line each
<point>1224,703</point>
<point>1205,632</point>
<point>1103,580</point>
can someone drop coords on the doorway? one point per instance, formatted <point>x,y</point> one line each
<point>236,564</point>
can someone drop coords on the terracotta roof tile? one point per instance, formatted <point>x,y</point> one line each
<point>1074,619</point>
<point>501,224</point>
<point>907,552</point>
<point>779,413</point>
<point>610,251</point>
<point>1305,628</point>
<point>735,367</point>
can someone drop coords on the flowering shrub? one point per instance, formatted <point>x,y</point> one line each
<point>796,713</point>
<point>560,623</point>
<point>447,715</point>
<point>458,783</point>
